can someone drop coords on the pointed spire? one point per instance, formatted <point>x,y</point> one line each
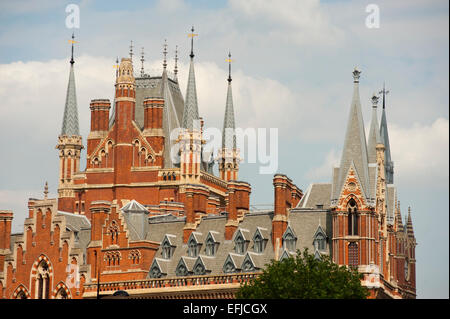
<point>374,133</point>
<point>70,124</point>
<point>409,224</point>
<point>142,62</point>
<point>190,114</point>
<point>228,136</point>
<point>398,218</point>
<point>389,165</point>
<point>175,70</point>
<point>355,148</point>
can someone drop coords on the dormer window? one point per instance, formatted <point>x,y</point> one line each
<point>259,244</point>
<point>167,249</point>
<point>320,242</point>
<point>211,246</point>
<point>289,239</point>
<point>239,244</point>
<point>192,247</point>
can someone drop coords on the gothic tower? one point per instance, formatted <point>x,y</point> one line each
<point>355,224</point>
<point>229,154</point>
<point>190,139</point>
<point>69,145</point>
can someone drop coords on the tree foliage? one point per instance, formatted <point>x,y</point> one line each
<point>305,277</point>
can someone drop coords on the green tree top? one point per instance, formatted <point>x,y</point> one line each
<point>305,277</point>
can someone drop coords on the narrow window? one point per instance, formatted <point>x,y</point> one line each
<point>353,254</point>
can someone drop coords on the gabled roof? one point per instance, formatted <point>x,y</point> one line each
<point>263,232</point>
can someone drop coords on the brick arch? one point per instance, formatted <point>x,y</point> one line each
<point>38,261</point>
<point>58,287</point>
<point>19,289</point>
<point>358,201</point>
<point>34,268</point>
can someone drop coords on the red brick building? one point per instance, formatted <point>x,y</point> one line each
<point>149,216</point>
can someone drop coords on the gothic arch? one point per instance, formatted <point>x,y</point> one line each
<point>41,276</point>
<point>21,292</point>
<point>61,291</point>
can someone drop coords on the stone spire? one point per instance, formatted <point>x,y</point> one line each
<point>398,217</point>
<point>190,114</point>
<point>70,124</point>
<point>409,224</point>
<point>374,133</point>
<point>69,144</point>
<point>228,136</point>
<point>170,115</point>
<point>385,138</point>
<point>228,156</point>
<point>355,149</point>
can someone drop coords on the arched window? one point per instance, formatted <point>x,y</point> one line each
<point>199,269</point>
<point>259,244</point>
<point>353,258</point>
<point>320,242</point>
<point>210,247</point>
<point>155,272</point>
<point>42,281</point>
<point>240,245</point>
<point>192,248</point>
<point>166,250</point>
<point>21,295</point>
<point>352,218</point>
<point>61,294</point>
<point>289,242</point>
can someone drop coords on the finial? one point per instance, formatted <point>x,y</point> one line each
<point>192,35</point>
<point>142,62</point>
<point>131,50</point>
<point>46,190</point>
<point>356,74</point>
<point>165,54</point>
<point>374,100</point>
<point>384,95</point>
<point>175,71</point>
<point>72,41</point>
<point>229,66</point>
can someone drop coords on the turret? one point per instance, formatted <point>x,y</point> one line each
<point>229,154</point>
<point>69,145</point>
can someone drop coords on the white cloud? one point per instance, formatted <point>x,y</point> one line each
<point>323,173</point>
<point>421,153</point>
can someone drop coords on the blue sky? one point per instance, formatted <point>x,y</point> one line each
<point>292,70</point>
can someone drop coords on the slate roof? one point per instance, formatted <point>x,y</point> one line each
<point>355,148</point>
<point>228,136</point>
<point>317,195</point>
<point>304,223</point>
<point>70,124</point>
<point>190,113</point>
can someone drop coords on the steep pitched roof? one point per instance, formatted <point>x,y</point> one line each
<point>387,151</point>
<point>228,136</point>
<point>374,133</point>
<point>190,113</point>
<point>355,148</point>
<point>70,124</point>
